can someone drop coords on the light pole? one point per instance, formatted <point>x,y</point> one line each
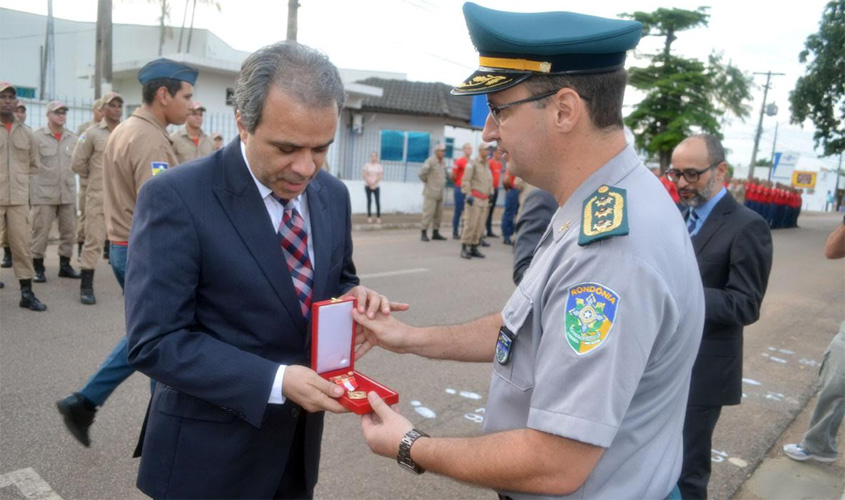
<point>772,110</point>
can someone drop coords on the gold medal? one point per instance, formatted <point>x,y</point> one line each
<point>357,394</point>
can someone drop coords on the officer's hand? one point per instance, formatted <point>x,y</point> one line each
<point>314,393</point>
<point>470,200</point>
<point>384,428</point>
<point>371,302</point>
<point>386,332</point>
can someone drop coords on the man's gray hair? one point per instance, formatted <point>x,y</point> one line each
<point>715,150</point>
<point>298,70</point>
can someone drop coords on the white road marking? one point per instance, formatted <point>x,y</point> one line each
<point>29,484</point>
<point>449,390</point>
<point>808,362</point>
<point>392,273</point>
<point>415,403</point>
<point>470,395</point>
<point>738,462</point>
<point>778,360</point>
<point>425,412</point>
<point>717,456</point>
<point>750,381</point>
<point>775,396</point>
<point>786,351</point>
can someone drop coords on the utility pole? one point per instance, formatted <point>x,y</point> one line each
<point>103,48</point>
<point>774,144</point>
<point>766,88</point>
<point>48,63</point>
<point>293,5</point>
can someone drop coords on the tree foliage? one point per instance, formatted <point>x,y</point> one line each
<point>819,95</point>
<point>682,95</point>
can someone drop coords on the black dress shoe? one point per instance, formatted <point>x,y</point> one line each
<point>484,243</point>
<point>77,416</point>
<point>491,234</point>
<point>507,241</point>
<point>456,236</point>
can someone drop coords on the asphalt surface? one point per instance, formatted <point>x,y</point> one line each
<point>45,356</point>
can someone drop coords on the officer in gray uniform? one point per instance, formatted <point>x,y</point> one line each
<point>592,354</point>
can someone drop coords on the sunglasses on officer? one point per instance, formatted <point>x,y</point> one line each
<point>690,174</point>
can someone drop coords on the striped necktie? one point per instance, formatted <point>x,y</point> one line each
<point>692,220</point>
<point>294,241</point>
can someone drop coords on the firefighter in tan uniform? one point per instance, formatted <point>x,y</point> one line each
<point>477,186</point>
<point>433,175</point>
<point>190,142</point>
<point>88,163</point>
<point>18,161</point>
<point>137,149</point>
<point>97,110</point>
<point>52,192</point>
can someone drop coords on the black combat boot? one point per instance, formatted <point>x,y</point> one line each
<point>436,236</point>
<point>78,415</point>
<point>86,289</point>
<point>65,271</point>
<point>28,299</point>
<point>473,251</point>
<point>465,252</point>
<point>38,264</point>
<point>106,250</point>
<point>424,236</point>
<point>7,257</point>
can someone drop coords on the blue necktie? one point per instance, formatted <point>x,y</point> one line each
<point>692,221</point>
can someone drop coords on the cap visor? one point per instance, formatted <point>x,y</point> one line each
<point>485,81</point>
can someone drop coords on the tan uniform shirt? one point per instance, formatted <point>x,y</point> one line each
<point>87,161</point>
<point>85,126</point>
<point>137,149</point>
<point>477,177</point>
<point>54,184</point>
<point>185,148</point>
<point>433,174</point>
<point>18,161</point>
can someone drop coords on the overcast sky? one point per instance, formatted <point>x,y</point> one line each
<point>427,40</point>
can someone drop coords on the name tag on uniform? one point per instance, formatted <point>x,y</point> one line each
<point>159,167</point>
<point>503,345</point>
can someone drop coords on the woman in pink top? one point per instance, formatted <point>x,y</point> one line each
<point>373,172</point>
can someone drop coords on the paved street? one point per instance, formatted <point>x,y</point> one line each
<point>45,356</point>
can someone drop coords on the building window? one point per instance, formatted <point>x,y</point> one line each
<point>25,92</point>
<point>450,147</point>
<point>398,145</point>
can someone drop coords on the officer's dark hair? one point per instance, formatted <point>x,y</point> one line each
<point>298,70</point>
<point>715,150</point>
<point>149,89</point>
<point>604,93</point>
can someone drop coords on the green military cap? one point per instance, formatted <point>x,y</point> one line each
<point>514,46</point>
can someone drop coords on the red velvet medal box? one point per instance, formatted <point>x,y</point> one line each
<point>333,354</point>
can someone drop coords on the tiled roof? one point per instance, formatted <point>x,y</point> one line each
<point>417,98</point>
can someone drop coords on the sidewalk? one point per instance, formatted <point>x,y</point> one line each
<point>781,477</point>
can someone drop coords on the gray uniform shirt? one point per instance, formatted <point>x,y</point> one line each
<point>639,302</point>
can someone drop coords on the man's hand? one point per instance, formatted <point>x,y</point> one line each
<point>384,428</point>
<point>386,332</point>
<point>470,200</point>
<point>371,302</point>
<point>314,393</point>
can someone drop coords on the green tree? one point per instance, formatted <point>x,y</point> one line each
<point>682,95</point>
<point>820,94</point>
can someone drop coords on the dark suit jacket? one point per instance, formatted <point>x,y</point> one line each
<point>538,207</point>
<point>211,312</point>
<point>734,252</point>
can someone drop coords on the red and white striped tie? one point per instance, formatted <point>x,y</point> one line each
<point>294,241</point>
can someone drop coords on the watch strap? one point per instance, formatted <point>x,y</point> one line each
<point>403,457</point>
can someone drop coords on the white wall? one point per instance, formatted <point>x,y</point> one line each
<point>396,197</point>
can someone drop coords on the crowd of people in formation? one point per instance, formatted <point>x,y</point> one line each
<point>476,190</point>
<point>778,204</point>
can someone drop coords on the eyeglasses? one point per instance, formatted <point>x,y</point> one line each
<point>495,111</point>
<point>691,175</point>
<point>60,112</point>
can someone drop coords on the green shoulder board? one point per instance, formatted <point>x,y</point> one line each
<point>605,214</point>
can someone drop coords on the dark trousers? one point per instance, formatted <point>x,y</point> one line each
<point>511,209</point>
<point>459,209</point>
<point>293,484</point>
<point>492,207</point>
<point>370,193</point>
<point>698,437</point>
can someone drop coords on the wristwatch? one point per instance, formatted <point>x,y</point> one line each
<point>403,458</point>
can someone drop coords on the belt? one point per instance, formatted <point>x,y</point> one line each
<point>479,194</point>
<point>120,243</point>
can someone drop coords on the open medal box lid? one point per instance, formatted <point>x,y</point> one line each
<point>333,354</point>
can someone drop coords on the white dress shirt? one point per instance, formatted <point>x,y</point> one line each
<point>276,211</point>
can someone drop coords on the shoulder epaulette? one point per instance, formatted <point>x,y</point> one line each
<point>605,214</point>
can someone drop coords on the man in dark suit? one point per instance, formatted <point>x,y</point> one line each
<point>538,207</point>
<point>734,250</point>
<point>227,253</point>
